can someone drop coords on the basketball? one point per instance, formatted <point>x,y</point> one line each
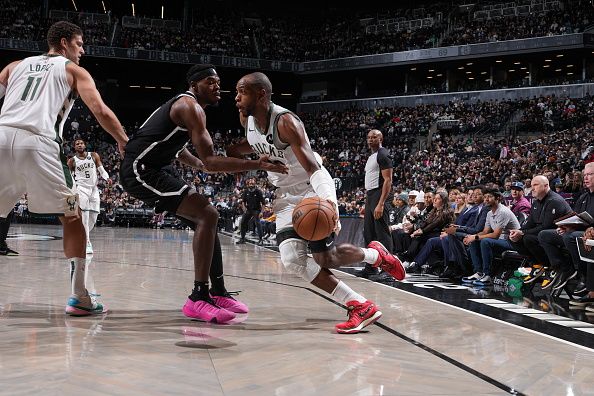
<point>314,218</point>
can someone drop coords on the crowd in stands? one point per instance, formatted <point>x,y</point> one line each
<point>550,23</point>
<point>324,35</point>
<point>427,161</point>
<point>433,186</point>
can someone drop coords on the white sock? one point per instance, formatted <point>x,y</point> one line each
<point>371,255</point>
<point>344,294</point>
<point>89,280</point>
<point>77,276</point>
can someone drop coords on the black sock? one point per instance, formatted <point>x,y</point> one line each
<point>5,225</point>
<point>216,270</point>
<point>200,291</point>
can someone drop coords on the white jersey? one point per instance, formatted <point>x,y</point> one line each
<point>268,143</point>
<point>85,172</point>
<point>38,96</point>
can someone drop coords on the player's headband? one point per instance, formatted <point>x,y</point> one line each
<point>199,75</point>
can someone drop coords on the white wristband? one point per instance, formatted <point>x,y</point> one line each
<point>103,172</point>
<point>2,91</point>
<point>323,185</point>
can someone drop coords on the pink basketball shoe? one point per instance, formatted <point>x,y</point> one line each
<point>207,311</point>
<point>230,304</point>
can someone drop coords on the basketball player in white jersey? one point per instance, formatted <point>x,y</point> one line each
<point>40,91</point>
<point>279,134</point>
<point>84,166</point>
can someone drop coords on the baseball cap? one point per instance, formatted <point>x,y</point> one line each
<point>414,193</point>
<point>517,185</point>
<point>420,197</point>
<point>402,196</point>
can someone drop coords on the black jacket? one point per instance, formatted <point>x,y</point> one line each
<point>253,200</point>
<point>544,212</point>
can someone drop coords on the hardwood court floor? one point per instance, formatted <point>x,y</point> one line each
<point>285,346</point>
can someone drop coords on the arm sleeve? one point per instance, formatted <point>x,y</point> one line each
<point>323,185</point>
<point>103,172</point>
<point>383,159</point>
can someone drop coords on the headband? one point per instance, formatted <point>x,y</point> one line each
<point>199,75</point>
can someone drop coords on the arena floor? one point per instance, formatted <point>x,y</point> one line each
<point>285,346</point>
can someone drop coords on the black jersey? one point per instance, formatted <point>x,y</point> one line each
<point>159,140</point>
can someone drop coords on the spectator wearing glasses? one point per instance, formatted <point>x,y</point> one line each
<point>564,237</point>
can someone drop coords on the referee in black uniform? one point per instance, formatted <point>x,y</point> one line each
<point>378,183</point>
<point>253,199</point>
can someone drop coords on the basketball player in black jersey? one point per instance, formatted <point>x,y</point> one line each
<point>161,139</point>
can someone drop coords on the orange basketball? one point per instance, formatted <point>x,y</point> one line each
<point>314,218</point>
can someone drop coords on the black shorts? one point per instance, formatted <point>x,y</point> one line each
<point>320,246</point>
<point>154,186</point>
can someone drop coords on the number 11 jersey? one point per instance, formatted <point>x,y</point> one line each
<point>39,97</point>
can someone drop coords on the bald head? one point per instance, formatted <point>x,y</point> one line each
<point>374,139</point>
<point>376,132</point>
<point>589,176</point>
<point>540,186</point>
<point>259,81</point>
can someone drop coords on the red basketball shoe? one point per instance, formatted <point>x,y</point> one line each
<point>388,261</point>
<point>360,315</point>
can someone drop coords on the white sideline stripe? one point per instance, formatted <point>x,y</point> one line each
<point>588,330</point>
<point>485,316</point>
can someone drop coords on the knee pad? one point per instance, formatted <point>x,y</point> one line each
<point>296,260</point>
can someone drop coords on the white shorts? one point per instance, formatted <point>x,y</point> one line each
<point>35,165</point>
<point>286,200</point>
<point>89,198</point>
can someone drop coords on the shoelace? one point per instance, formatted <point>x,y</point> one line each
<point>228,294</point>
<point>351,310</point>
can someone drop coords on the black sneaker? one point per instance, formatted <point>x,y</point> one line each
<point>580,289</point>
<point>241,241</point>
<point>550,278</point>
<point>582,302</point>
<point>368,271</point>
<point>450,272</point>
<point>6,251</point>
<point>563,278</point>
<point>260,242</point>
<point>537,271</point>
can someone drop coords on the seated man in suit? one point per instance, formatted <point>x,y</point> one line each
<point>449,243</point>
